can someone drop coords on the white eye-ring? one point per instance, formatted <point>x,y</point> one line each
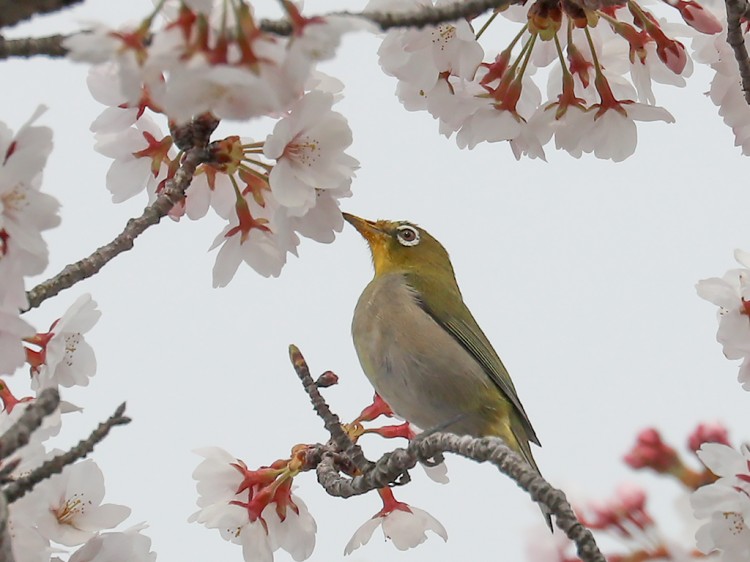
<point>407,235</point>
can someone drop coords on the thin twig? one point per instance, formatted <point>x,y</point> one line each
<point>25,484</point>
<point>52,46</point>
<point>173,193</point>
<point>13,11</point>
<point>737,9</point>
<point>13,439</point>
<point>6,553</point>
<point>32,46</point>
<point>393,468</point>
<point>481,449</point>
<point>331,421</point>
<point>32,417</point>
<point>427,15</point>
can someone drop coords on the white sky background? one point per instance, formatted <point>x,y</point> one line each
<point>581,272</point>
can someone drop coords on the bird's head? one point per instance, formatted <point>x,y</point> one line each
<point>401,246</point>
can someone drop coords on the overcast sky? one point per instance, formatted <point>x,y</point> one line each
<point>581,272</point>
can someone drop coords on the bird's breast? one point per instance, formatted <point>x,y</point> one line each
<point>417,367</point>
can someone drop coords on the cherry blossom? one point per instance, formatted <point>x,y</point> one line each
<point>725,503</point>
<point>716,52</point>
<point>33,453</point>
<point>308,146</point>
<point>26,542</point>
<point>419,56</point>
<point>726,530</point>
<point>73,512</point>
<point>65,357</point>
<point>441,69</point>
<point>253,508</point>
<point>124,48</point>
<point>321,222</point>
<point>13,330</point>
<point>141,158</point>
<point>128,545</point>
<point>731,293</point>
<point>249,237</point>
<point>104,84</point>
<point>25,211</point>
<point>708,432</point>
<point>404,524</point>
<point>225,90</point>
<point>317,38</point>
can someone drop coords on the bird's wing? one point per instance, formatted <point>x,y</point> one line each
<point>461,325</point>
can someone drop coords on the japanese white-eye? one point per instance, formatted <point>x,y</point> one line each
<point>421,348</point>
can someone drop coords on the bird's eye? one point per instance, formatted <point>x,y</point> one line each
<point>407,235</point>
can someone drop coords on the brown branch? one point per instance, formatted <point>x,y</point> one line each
<point>19,487</point>
<point>393,468</point>
<point>13,11</point>
<point>423,17</point>
<point>6,553</point>
<point>481,449</point>
<point>33,415</point>
<point>331,421</point>
<point>13,439</point>
<point>52,46</point>
<point>737,9</point>
<point>198,133</point>
<point>32,46</point>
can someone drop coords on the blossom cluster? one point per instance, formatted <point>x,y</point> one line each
<point>599,65</point>
<point>59,356</point>
<point>725,503</point>
<point>25,212</point>
<point>626,517</point>
<point>731,293</point>
<point>66,510</point>
<point>256,508</point>
<point>715,51</point>
<point>187,60</point>
<point>63,515</point>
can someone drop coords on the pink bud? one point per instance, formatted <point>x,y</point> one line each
<point>329,378</point>
<point>698,18</point>
<point>390,431</point>
<point>708,433</point>
<point>672,54</point>
<point>375,410</point>
<point>651,452</point>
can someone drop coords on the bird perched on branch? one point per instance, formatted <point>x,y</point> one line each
<point>421,348</point>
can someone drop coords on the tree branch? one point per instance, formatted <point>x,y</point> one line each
<point>481,449</point>
<point>393,468</point>
<point>737,9</point>
<point>6,554</point>
<point>197,133</point>
<point>428,15</point>
<point>52,46</point>
<point>330,420</point>
<point>21,486</point>
<point>32,46</point>
<point>33,415</point>
<point>13,11</point>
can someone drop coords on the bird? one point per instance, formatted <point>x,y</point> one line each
<point>421,348</point>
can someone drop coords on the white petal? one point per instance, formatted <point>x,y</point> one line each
<point>362,535</point>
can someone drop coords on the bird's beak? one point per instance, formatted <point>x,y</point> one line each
<point>368,229</point>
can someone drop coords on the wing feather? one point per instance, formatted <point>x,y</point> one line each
<point>464,328</point>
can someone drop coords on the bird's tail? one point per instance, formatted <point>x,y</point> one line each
<point>523,447</point>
